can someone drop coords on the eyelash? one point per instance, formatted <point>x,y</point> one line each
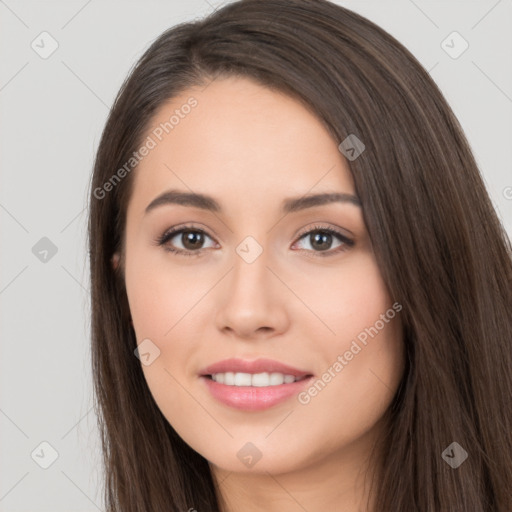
<point>169,235</point>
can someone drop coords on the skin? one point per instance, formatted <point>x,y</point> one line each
<point>250,148</point>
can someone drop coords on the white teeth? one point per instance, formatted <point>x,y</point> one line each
<point>229,378</point>
<point>260,379</point>
<point>243,379</point>
<point>276,379</point>
<point>288,379</point>
<point>253,379</point>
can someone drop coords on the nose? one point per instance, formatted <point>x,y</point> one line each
<point>252,301</point>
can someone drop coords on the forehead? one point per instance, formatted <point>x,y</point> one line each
<point>237,139</point>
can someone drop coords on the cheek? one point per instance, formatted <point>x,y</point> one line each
<point>364,298</point>
<point>162,308</point>
<point>363,359</point>
<point>369,339</point>
<point>356,387</point>
<point>169,312</point>
<point>347,298</point>
<point>160,296</point>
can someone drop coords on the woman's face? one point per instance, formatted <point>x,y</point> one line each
<point>270,276</point>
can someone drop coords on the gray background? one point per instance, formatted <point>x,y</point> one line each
<point>52,114</point>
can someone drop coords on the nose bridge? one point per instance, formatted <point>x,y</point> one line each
<point>250,273</point>
<point>250,297</point>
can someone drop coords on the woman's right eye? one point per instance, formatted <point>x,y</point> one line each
<point>190,238</point>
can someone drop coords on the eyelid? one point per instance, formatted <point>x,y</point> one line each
<point>186,226</point>
<point>324,226</point>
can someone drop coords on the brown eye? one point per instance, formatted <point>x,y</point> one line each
<point>186,240</point>
<point>320,240</point>
<point>192,239</point>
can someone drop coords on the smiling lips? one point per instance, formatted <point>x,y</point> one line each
<point>253,385</point>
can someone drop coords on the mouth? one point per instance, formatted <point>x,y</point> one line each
<point>253,385</point>
<point>259,380</point>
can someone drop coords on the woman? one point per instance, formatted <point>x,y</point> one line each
<point>301,291</point>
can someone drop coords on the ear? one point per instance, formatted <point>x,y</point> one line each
<point>115,260</point>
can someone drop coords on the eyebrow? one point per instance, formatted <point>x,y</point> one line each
<point>290,205</point>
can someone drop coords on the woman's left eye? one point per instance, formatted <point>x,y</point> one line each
<point>320,240</point>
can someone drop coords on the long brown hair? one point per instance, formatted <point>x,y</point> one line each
<point>438,242</point>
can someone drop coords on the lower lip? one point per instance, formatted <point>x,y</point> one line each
<point>252,398</point>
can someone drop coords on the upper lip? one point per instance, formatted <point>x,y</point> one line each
<point>257,366</point>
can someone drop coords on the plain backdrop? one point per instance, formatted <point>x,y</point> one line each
<point>53,110</point>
